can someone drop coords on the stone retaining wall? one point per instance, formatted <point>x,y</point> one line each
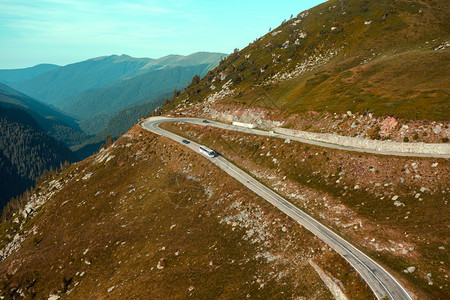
<point>382,146</point>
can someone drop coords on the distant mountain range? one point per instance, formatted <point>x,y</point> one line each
<point>94,90</point>
<point>55,86</point>
<point>133,91</point>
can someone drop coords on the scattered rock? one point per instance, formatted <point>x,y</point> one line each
<point>161,264</point>
<point>398,203</point>
<point>437,129</point>
<point>87,176</point>
<point>411,269</point>
<point>395,197</point>
<point>387,126</point>
<point>111,289</point>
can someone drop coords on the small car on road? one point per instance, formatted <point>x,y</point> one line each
<point>186,141</point>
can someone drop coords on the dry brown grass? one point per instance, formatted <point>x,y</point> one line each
<point>322,182</point>
<point>155,202</point>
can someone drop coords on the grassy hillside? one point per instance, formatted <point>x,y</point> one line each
<point>386,57</point>
<point>54,123</point>
<point>15,75</point>
<point>147,218</point>
<point>26,151</point>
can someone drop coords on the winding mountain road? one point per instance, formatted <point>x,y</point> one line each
<point>379,280</point>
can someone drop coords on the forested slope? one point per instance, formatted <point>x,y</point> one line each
<point>26,151</point>
<point>54,123</point>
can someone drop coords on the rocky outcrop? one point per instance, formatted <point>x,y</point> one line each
<point>27,212</point>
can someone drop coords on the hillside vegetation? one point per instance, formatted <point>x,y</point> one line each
<point>386,57</point>
<point>26,151</point>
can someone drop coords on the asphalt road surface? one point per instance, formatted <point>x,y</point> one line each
<point>378,279</point>
<point>302,140</point>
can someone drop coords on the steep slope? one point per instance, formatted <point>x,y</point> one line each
<point>15,75</point>
<point>54,123</point>
<point>131,92</point>
<point>25,152</point>
<point>148,219</point>
<point>384,57</point>
<point>392,207</point>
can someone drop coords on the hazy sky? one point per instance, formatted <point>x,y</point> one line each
<point>67,31</point>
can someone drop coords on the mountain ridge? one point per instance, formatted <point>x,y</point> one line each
<point>15,75</point>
